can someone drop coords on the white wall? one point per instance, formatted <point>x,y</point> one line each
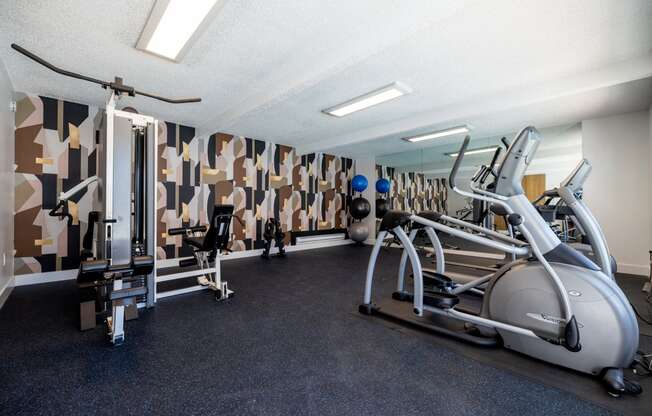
<point>6,185</point>
<point>649,187</point>
<point>618,189</point>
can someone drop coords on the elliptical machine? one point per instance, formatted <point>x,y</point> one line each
<point>553,303</point>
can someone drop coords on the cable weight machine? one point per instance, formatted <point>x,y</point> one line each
<point>118,275</point>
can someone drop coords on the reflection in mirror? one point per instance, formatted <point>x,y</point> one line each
<point>419,177</point>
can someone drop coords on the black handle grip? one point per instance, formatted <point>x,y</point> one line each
<point>60,211</point>
<point>505,142</point>
<point>458,161</point>
<point>491,165</point>
<point>58,70</point>
<point>169,100</point>
<point>479,173</point>
<point>117,86</point>
<point>483,179</point>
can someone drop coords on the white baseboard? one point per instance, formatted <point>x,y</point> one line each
<point>162,264</point>
<point>637,269</point>
<point>5,291</point>
<point>48,277</point>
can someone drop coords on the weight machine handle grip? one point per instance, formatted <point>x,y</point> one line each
<point>104,84</point>
<point>56,69</point>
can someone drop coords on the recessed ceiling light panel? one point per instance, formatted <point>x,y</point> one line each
<point>488,149</point>
<point>381,95</point>
<point>173,25</point>
<point>437,134</point>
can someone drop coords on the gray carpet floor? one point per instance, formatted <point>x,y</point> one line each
<point>290,342</point>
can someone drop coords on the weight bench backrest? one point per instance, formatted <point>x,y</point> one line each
<point>217,236</point>
<point>87,241</point>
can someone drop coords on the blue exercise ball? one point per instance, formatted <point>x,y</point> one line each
<point>382,185</point>
<point>359,183</point>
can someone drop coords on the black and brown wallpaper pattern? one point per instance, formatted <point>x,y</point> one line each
<point>413,192</point>
<point>196,173</point>
<point>261,179</point>
<point>56,149</point>
<point>266,180</point>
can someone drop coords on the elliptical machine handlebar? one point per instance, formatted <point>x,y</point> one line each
<point>490,169</point>
<point>479,173</point>
<point>458,162</point>
<point>505,142</point>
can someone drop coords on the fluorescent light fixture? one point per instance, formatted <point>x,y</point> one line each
<point>475,151</point>
<point>381,95</point>
<point>173,24</point>
<point>437,134</point>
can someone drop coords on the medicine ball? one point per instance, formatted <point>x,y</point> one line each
<point>359,208</point>
<point>382,206</point>
<point>358,232</point>
<point>359,183</point>
<point>382,186</point>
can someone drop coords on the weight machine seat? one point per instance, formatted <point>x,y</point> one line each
<point>142,265</point>
<point>393,219</point>
<point>197,242</point>
<point>215,237</point>
<point>94,270</point>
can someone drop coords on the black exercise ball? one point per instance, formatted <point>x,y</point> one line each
<point>359,208</point>
<point>382,206</point>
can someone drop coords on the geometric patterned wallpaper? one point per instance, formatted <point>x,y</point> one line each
<point>412,192</point>
<point>261,179</point>
<point>55,144</point>
<point>56,149</point>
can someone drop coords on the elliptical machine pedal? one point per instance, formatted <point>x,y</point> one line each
<point>617,385</point>
<point>513,309</point>
<point>440,300</point>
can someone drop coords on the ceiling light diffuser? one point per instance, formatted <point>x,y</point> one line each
<point>381,95</point>
<point>173,25</point>
<point>475,151</point>
<point>437,134</point>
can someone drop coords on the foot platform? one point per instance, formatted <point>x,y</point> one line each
<point>440,300</point>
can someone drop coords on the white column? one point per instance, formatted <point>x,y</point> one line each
<point>367,167</point>
<point>7,185</point>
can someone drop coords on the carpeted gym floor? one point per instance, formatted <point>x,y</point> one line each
<point>290,342</point>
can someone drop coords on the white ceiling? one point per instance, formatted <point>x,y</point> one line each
<point>618,99</point>
<point>558,142</point>
<point>266,68</point>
